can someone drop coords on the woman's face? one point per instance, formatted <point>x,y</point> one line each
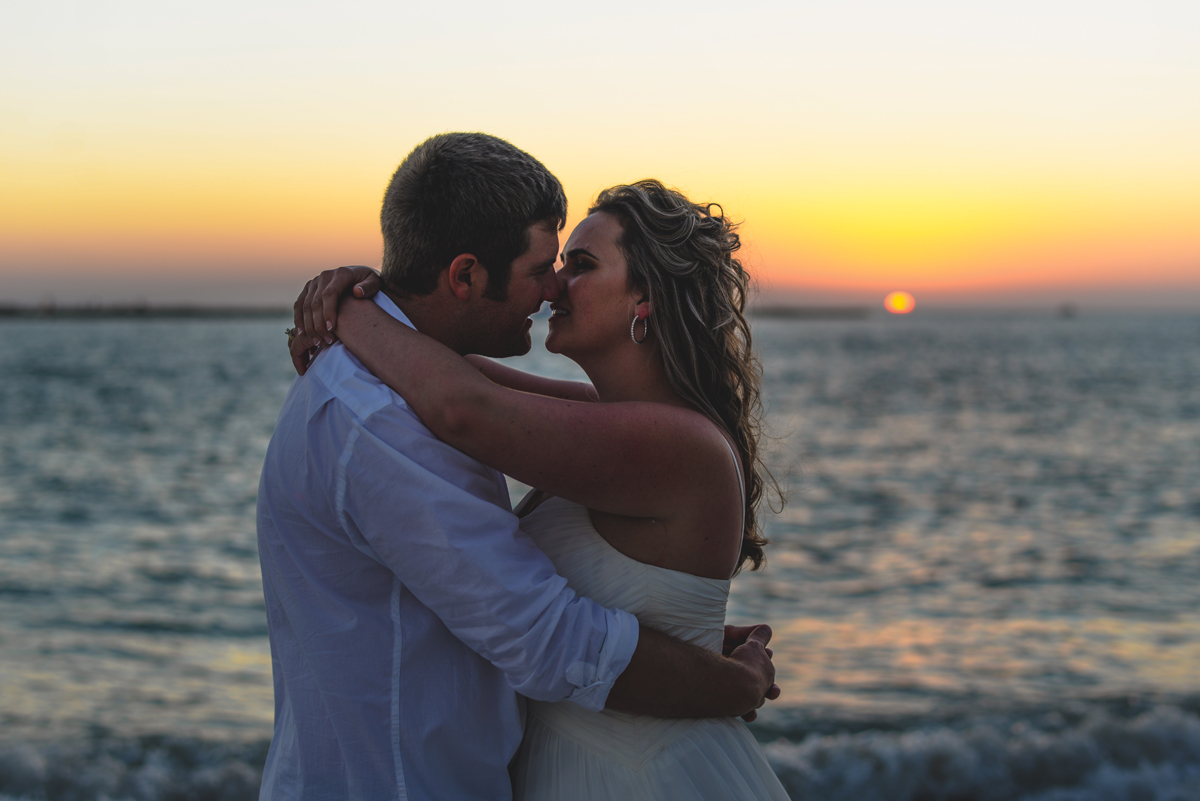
<point>595,305</point>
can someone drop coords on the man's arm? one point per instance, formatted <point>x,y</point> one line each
<point>430,514</point>
<point>421,506</point>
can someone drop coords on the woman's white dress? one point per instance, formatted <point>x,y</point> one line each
<point>570,753</point>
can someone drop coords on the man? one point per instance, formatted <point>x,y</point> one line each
<point>407,612</point>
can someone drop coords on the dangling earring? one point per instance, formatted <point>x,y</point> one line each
<point>645,331</point>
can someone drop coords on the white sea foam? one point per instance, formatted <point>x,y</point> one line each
<point>141,769</point>
<point>1153,757</point>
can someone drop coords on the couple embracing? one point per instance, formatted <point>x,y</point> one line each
<point>429,643</point>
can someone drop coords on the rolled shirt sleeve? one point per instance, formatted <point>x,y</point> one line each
<point>431,515</point>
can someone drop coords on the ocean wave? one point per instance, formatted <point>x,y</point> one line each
<point>108,768</point>
<point>1152,757</point>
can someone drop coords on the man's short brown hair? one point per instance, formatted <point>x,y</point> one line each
<point>461,193</point>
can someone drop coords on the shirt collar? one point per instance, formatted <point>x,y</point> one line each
<point>389,306</point>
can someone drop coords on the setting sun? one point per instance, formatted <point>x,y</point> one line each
<point>899,303</point>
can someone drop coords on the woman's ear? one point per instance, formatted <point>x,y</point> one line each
<point>644,308</point>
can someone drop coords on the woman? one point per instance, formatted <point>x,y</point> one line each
<point>646,499</point>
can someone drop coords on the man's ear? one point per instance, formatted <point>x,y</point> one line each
<point>467,277</point>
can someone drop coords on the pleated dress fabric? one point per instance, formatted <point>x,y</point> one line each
<point>570,753</point>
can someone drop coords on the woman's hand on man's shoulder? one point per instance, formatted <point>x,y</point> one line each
<point>315,310</point>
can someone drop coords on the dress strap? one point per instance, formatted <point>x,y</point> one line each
<point>737,465</point>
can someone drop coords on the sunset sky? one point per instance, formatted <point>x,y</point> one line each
<point>1017,153</point>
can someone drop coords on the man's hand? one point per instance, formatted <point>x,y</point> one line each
<point>747,645</point>
<point>315,311</point>
<point>668,678</point>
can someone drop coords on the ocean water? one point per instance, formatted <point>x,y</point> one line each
<point>984,584</point>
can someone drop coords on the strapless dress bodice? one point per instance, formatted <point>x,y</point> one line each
<point>571,752</point>
<point>690,608</point>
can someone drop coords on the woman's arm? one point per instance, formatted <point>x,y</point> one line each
<point>520,380</point>
<point>634,459</point>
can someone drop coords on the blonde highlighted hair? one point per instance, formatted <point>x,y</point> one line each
<point>682,255</point>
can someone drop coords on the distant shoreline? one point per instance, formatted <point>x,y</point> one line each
<point>148,312</point>
<point>178,311</point>
<point>140,312</point>
<point>812,312</point>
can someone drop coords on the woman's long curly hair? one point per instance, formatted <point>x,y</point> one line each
<point>681,254</point>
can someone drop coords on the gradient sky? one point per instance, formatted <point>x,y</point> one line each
<point>983,153</point>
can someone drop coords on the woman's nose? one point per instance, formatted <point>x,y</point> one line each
<point>555,286</point>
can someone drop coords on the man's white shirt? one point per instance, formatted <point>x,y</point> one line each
<point>406,609</point>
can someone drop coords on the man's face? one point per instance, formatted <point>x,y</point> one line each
<point>503,325</point>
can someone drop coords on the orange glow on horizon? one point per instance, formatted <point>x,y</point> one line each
<point>233,211</point>
<point>899,303</point>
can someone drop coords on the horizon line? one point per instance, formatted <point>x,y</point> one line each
<point>771,310</point>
